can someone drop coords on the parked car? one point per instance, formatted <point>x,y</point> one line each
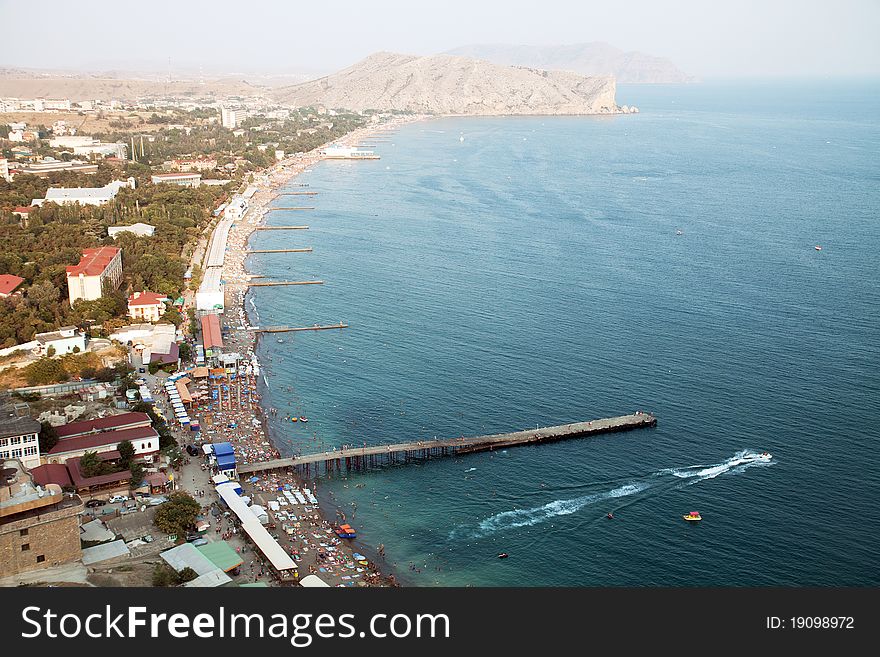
<point>118,498</point>
<point>200,541</point>
<point>140,382</point>
<point>142,370</point>
<point>156,501</point>
<point>93,504</point>
<point>193,537</point>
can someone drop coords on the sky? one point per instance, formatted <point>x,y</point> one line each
<point>704,38</point>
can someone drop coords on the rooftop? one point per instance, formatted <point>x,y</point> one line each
<point>8,283</point>
<point>146,299</point>
<point>211,335</point>
<point>109,423</point>
<point>16,421</point>
<point>93,261</point>
<point>77,443</point>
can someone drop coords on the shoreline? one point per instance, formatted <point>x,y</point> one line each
<point>237,274</point>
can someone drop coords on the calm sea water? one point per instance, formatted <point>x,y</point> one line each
<point>532,275</point>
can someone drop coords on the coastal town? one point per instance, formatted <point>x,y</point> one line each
<point>121,432</point>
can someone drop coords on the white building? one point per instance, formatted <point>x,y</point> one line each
<point>210,296</point>
<point>84,195</point>
<point>139,229</point>
<point>86,279</point>
<point>65,340</point>
<point>19,435</point>
<point>231,118</point>
<point>181,179</point>
<point>147,306</point>
<point>4,169</point>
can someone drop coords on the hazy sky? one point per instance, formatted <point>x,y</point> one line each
<point>707,38</point>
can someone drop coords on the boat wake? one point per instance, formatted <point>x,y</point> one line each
<point>684,476</point>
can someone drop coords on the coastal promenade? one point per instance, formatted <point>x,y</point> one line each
<point>376,454</point>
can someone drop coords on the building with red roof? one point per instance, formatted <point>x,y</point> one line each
<point>145,441</point>
<point>8,284</point>
<point>85,280</point>
<point>147,306</point>
<point>212,337</point>
<point>98,425</point>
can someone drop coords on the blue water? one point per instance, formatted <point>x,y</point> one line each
<point>532,275</point>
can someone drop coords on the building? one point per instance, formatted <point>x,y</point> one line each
<point>84,195</point>
<point>4,169</point>
<point>86,279</point>
<point>212,337</point>
<point>8,285</point>
<point>84,145</point>
<point>199,164</point>
<point>139,229</point>
<point>39,526</point>
<point>210,296</point>
<point>19,434</point>
<point>147,306</point>
<point>66,340</point>
<point>49,165</point>
<point>231,118</point>
<point>103,436</point>
<point>181,179</point>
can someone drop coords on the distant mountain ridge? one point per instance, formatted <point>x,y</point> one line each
<point>585,58</point>
<point>449,84</point>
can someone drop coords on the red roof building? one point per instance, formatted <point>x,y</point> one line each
<point>8,283</point>
<point>145,441</point>
<point>51,473</point>
<point>211,335</point>
<point>85,280</point>
<point>147,306</point>
<point>109,423</point>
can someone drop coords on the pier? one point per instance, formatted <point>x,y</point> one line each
<point>307,249</point>
<point>281,228</point>
<point>290,329</point>
<point>271,283</point>
<point>290,208</point>
<point>374,455</point>
<point>296,194</point>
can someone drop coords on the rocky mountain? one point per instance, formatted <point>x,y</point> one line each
<point>584,58</point>
<point>449,84</point>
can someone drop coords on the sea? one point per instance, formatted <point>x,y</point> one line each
<point>503,273</point>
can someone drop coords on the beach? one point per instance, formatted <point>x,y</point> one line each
<point>238,417</point>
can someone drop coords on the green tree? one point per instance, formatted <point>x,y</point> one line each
<point>178,514</point>
<point>186,575</point>
<point>126,453</point>
<point>164,575</point>
<point>92,465</point>
<point>44,371</point>
<point>185,351</point>
<point>137,473</point>
<point>48,437</point>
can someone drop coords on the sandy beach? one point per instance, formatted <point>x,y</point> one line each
<point>236,414</point>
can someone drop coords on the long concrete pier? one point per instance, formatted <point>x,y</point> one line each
<point>289,329</point>
<point>307,249</point>
<point>271,283</point>
<point>281,228</point>
<point>355,457</point>
<point>289,208</point>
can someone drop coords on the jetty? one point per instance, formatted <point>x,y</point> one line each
<point>271,283</point>
<point>307,249</point>
<point>290,208</point>
<point>375,455</point>
<point>281,228</point>
<point>296,194</point>
<point>289,329</point>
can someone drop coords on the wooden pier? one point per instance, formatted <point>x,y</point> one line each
<point>290,208</point>
<point>375,455</point>
<point>296,194</point>
<point>271,283</point>
<point>290,329</point>
<point>281,228</point>
<point>307,249</point>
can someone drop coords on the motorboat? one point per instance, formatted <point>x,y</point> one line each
<point>503,555</point>
<point>303,418</point>
<point>763,456</point>
<point>610,516</point>
<point>692,516</point>
<point>817,247</point>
